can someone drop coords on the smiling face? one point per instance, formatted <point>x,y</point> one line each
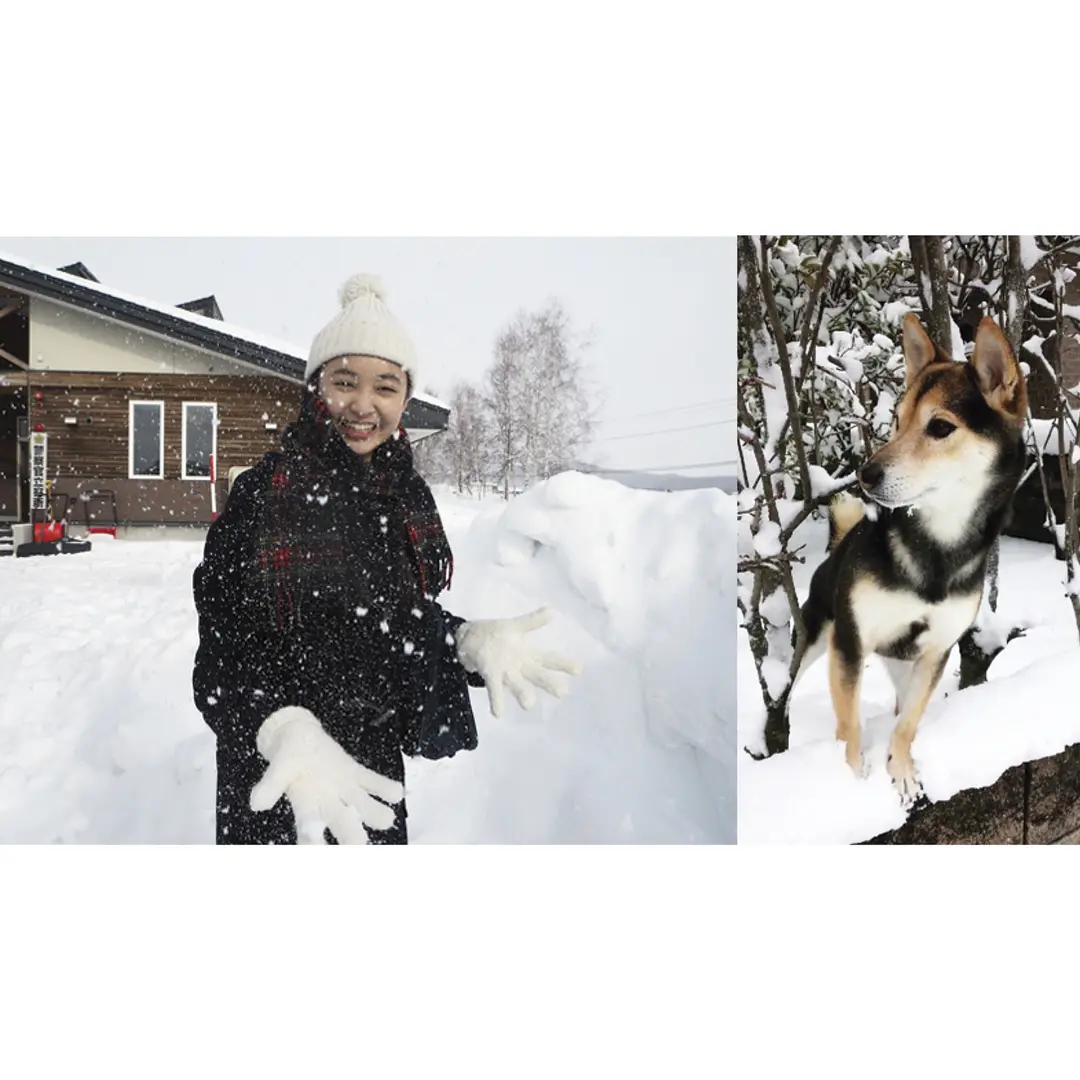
<point>365,397</point>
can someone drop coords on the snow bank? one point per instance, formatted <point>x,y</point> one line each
<point>99,739</point>
<point>965,740</point>
<point>643,750</point>
<point>100,742</point>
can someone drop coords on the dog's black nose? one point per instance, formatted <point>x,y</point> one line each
<point>871,474</point>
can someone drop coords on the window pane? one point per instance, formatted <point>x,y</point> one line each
<point>146,434</point>
<point>199,445</point>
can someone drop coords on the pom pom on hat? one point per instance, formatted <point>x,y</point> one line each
<point>361,285</point>
<point>364,326</point>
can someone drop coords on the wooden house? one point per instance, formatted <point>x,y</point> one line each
<point>120,403</point>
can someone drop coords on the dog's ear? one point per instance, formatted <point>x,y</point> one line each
<point>918,348</point>
<point>1000,378</point>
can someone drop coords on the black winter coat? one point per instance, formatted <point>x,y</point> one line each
<point>322,600</point>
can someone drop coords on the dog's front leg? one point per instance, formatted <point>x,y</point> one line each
<point>845,677</point>
<point>925,676</point>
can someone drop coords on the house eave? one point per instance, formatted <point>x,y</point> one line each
<point>422,412</point>
<point>69,292</point>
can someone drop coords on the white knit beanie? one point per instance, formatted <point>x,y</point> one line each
<point>363,327</point>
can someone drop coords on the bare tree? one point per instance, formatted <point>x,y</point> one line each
<point>542,408</point>
<point>1059,274</point>
<point>504,397</point>
<point>771,429</point>
<point>468,440</point>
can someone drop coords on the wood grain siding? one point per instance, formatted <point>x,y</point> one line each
<point>93,452</point>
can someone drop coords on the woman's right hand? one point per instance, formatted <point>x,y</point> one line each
<point>325,787</point>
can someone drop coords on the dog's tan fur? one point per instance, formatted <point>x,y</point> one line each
<point>844,683</point>
<point>845,512</point>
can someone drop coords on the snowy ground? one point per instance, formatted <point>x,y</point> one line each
<point>965,740</point>
<point>100,741</point>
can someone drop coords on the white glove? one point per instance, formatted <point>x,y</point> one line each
<point>326,788</point>
<point>497,650</point>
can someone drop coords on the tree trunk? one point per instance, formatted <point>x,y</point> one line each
<point>753,336</point>
<point>940,314</point>
<point>917,246</point>
<point>1016,297</point>
<point>777,724</point>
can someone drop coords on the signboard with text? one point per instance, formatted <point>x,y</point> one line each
<point>39,462</point>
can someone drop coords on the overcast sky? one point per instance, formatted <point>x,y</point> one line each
<point>661,312</point>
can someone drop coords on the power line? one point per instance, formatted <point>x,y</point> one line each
<point>666,468</point>
<point>715,402</point>
<point>664,431</point>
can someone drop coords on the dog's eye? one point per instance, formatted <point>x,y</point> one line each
<point>939,429</point>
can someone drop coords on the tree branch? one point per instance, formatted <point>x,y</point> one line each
<point>793,417</point>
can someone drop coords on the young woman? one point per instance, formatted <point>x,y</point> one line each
<point>323,655</point>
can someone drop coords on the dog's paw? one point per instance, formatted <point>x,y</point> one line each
<point>859,766</point>
<point>904,780</point>
<point>910,791</point>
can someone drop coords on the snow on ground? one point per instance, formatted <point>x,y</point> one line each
<point>965,740</point>
<point>100,741</point>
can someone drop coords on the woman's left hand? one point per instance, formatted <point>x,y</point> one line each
<point>498,651</point>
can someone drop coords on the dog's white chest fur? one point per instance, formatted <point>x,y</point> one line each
<point>883,616</point>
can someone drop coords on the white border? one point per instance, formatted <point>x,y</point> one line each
<point>131,440</point>
<point>183,437</point>
<point>649,961</point>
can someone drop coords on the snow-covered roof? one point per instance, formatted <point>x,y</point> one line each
<point>280,357</point>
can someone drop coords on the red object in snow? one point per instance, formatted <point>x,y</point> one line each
<point>105,530</point>
<point>48,532</point>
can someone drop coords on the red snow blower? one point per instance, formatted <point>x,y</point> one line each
<point>50,535</point>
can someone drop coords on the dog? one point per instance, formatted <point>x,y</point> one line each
<point>906,583</point>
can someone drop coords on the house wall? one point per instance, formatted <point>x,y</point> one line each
<point>94,453</point>
<point>67,339</point>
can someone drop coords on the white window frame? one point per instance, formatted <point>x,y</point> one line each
<point>131,440</point>
<point>183,437</point>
